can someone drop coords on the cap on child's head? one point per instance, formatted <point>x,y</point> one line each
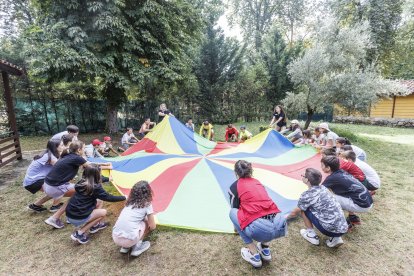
<point>294,122</point>
<point>243,127</point>
<point>96,142</point>
<point>107,138</point>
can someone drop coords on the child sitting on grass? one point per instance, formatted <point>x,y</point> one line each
<point>319,208</point>
<point>244,134</point>
<point>207,131</point>
<point>232,133</point>
<point>295,132</point>
<point>135,221</point>
<point>108,148</point>
<point>85,209</point>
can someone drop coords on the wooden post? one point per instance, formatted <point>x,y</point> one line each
<point>393,106</point>
<point>10,113</point>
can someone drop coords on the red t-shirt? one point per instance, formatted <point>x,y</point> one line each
<point>230,132</point>
<point>252,200</point>
<point>352,169</point>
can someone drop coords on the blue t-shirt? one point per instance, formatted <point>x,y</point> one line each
<point>38,169</point>
<point>65,169</point>
<point>343,184</point>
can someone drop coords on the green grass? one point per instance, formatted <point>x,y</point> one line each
<point>382,245</point>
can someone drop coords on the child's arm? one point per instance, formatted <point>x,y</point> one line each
<point>201,130</point>
<point>103,195</point>
<point>295,212</point>
<point>151,222</point>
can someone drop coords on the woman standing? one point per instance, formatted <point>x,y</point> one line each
<point>279,118</point>
<point>254,215</point>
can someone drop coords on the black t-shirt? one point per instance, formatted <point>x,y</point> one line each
<point>65,169</point>
<point>345,185</point>
<point>234,196</point>
<point>166,112</point>
<point>281,115</point>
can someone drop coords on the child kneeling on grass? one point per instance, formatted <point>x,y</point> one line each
<point>135,221</point>
<point>318,207</point>
<point>84,210</point>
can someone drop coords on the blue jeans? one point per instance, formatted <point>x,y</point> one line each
<point>261,230</point>
<point>317,224</point>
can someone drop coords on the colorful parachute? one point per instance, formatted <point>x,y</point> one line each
<point>191,176</point>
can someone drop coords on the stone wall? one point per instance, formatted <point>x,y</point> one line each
<point>390,122</point>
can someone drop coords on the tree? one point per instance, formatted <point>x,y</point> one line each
<point>118,43</point>
<point>255,18</point>
<point>330,72</point>
<point>219,62</point>
<point>384,17</point>
<point>277,56</point>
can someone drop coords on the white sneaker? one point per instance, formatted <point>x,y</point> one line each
<point>138,249</point>
<point>124,250</point>
<point>254,260</point>
<point>264,252</point>
<point>310,236</point>
<point>334,242</point>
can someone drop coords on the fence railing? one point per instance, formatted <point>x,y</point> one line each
<point>9,149</point>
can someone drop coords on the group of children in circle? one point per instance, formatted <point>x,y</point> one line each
<point>351,181</point>
<point>53,172</point>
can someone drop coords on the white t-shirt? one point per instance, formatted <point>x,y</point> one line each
<point>331,136</point>
<point>369,172</point>
<point>358,152</point>
<point>127,224</point>
<point>318,140</point>
<point>126,137</point>
<point>58,136</point>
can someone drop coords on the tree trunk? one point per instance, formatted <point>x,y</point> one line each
<point>31,99</point>
<point>114,98</point>
<point>309,117</point>
<point>44,104</point>
<point>112,119</point>
<point>52,98</point>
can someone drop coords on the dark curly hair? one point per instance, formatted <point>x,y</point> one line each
<point>140,195</point>
<point>243,169</point>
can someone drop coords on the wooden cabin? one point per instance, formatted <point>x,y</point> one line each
<point>397,106</point>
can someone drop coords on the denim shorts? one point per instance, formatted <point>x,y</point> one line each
<point>78,222</point>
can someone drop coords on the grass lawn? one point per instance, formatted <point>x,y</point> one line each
<point>382,245</point>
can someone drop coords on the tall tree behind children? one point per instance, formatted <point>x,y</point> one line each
<point>85,209</point>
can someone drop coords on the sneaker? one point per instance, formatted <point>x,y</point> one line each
<point>354,219</point>
<point>264,252</point>
<point>334,242</point>
<point>140,248</point>
<point>99,226</point>
<point>54,208</point>
<point>350,226</point>
<point>124,250</point>
<point>310,236</point>
<point>36,208</point>
<point>57,223</point>
<point>254,260</point>
<point>80,238</point>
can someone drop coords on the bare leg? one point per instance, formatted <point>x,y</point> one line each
<point>62,209</point>
<point>307,222</point>
<point>96,216</point>
<point>41,201</point>
<point>252,248</point>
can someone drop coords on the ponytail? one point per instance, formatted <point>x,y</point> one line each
<point>73,148</point>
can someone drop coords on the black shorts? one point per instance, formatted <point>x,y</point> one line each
<point>281,124</point>
<point>36,186</point>
<point>141,136</point>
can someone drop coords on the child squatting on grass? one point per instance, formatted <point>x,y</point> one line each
<point>85,209</point>
<point>318,207</point>
<point>38,170</point>
<point>57,183</point>
<point>254,215</point>
<point>135,221</point>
